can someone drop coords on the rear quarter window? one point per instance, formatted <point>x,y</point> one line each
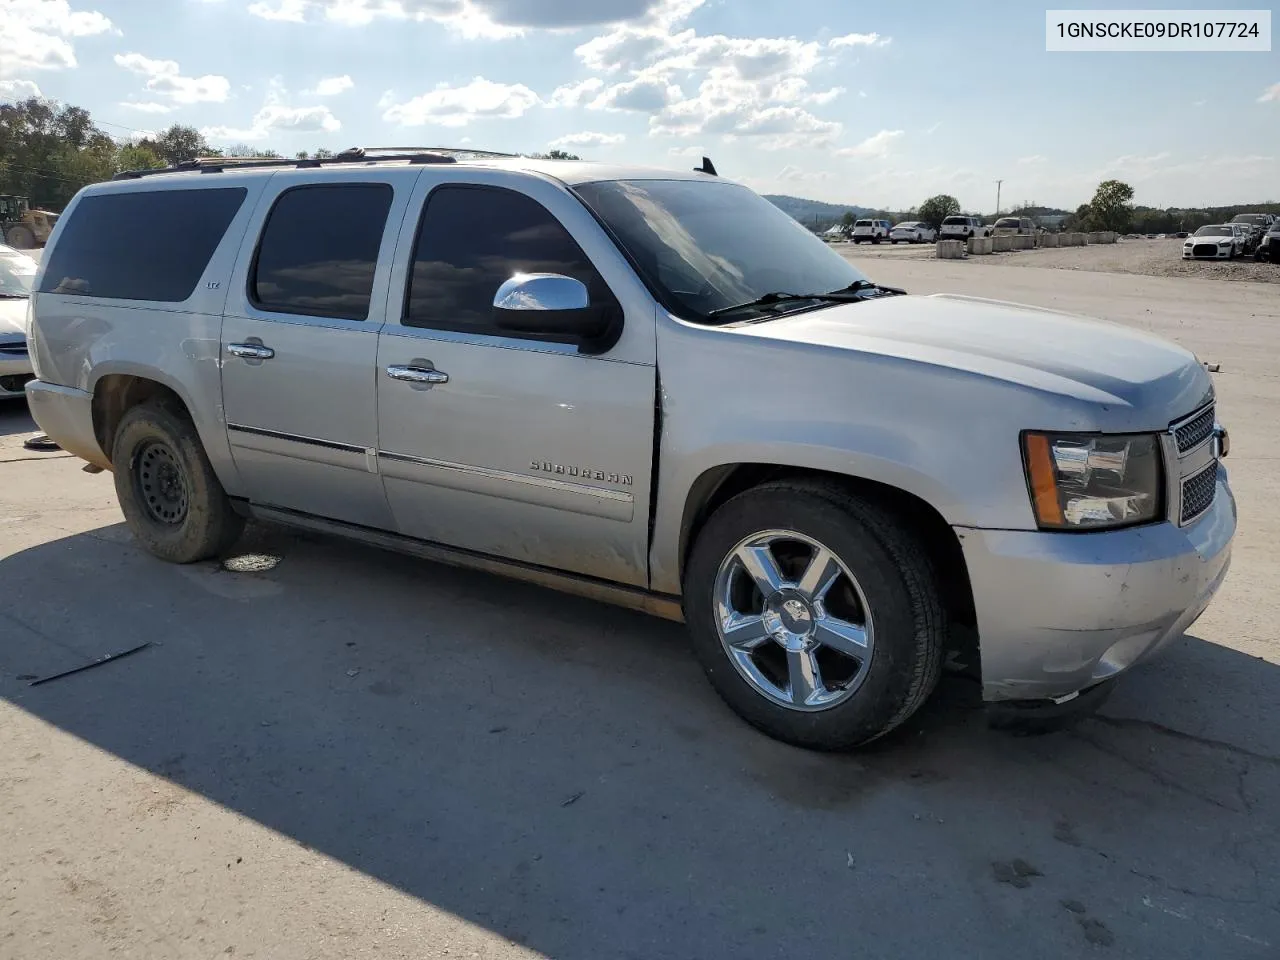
<point>140,245</point>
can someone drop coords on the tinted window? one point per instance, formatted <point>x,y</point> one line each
<point>319,250</point>
<point>151,245</point>
<point>471,240</point>
<point>956,221</point>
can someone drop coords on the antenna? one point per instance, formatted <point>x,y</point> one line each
<point>707,167</point>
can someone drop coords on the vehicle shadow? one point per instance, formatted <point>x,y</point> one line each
<point>559,771</point>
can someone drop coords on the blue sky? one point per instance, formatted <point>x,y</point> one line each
<point>881,104</point>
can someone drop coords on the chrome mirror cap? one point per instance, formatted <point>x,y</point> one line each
<point>542,291</point>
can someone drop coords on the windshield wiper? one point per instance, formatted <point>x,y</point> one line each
<point>850,294</point>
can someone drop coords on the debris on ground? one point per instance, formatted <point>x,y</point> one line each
<point>87,666</point>
<point>41,442</point>
<point>353,672</point>
<point>574,799</point>
<point>1212,367</point>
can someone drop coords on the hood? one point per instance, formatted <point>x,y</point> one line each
<point>1123,369</point>
<point>13,316</point>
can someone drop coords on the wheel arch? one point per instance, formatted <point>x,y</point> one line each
<point>717,485</point>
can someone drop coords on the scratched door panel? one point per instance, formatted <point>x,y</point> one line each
<point>533,452</point>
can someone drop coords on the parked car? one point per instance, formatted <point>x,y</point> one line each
<point>873,230</point>
<point>962,228</point>
<point>1014,226</point>
<point>1220,241</point>
<point>1258,224</point>
<point>913,231</point>
<point>1269,247</point>
<point>552,370</point>
<point>17,273</point>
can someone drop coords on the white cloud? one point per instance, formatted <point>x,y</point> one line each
<point>448,106</point>
<point>277,118</point>
<point>685,152</point>
<point>588,139</point>
<point>727,104</point>
<point>332,86</point>
<point>1035,158</point>
<point>18,89</point>
<point>793,174</point>
<point>37,34</point>
<point>491,19</point>
<point>164,77</point>
<point>147,106</point>
<point>859,40</point>
<point>876,145</point>
<point>576,94</point>
<point>644,94</point>
<point>1272,93</point>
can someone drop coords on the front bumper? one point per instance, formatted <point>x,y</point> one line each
<point>1060,612</point>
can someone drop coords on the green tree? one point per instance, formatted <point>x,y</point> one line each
<point>134,156</point>
<point>1110,208</point>
<point>936,209</point>
<point>179,144</point>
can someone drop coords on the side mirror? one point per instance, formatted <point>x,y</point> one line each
<point>550,305</point>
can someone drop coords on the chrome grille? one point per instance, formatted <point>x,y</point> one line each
<point>1198,491</point>
<point>1195,431</point>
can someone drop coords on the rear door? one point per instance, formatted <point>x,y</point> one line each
<point>523,448</point>
<point>300,341</point>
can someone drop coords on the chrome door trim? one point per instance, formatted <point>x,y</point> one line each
<point>331,452</point>
<point>545,483</point>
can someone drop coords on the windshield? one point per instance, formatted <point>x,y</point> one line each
<point>702,246</point>
<point>1214,232</point>
<point>1007,222</point>
<point>17,272</point>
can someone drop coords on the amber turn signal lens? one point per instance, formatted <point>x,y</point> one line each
<point>1044,489</point>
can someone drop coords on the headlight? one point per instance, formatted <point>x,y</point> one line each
<point>1093,481</point>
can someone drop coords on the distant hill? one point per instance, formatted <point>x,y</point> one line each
<point>810,212</point>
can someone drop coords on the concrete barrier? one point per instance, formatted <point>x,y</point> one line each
<point>1095,237</point>
<point>1050,239</point>
<point>979,245</point>
<point>1023,241</point>
<point>950,250</point>
<point>1002,244</point>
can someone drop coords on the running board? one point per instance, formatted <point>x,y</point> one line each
<point>655,604</point>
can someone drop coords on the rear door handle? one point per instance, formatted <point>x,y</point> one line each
<point>250,351</point>
<point>417,374</point>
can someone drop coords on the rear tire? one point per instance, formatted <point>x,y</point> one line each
<point>884,586</point>
<point>21,238</point>
<point>172,500</point>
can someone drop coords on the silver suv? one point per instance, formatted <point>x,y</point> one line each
<point>647,387</point>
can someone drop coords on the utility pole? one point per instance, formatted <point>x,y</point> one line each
<point>998,183</point>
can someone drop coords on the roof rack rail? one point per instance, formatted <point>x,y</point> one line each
<point>443,151</point>
<point>350,155</point>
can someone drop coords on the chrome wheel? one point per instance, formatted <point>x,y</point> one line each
<point>161,483</point>
<point>793,620</point>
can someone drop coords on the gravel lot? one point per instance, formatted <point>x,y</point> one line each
<point>352,754</point>
<point>1148,258</point>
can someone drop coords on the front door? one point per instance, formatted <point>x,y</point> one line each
<point>519,448</point>
<point>300,343</point>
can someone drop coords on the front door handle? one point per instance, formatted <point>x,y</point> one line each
<point>250,351</point>
<point>417,374</point>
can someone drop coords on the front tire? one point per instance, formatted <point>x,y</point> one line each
<point>815,614</point>
<point>172,500</point>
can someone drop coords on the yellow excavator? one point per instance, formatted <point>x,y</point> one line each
<point>22,227</point>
